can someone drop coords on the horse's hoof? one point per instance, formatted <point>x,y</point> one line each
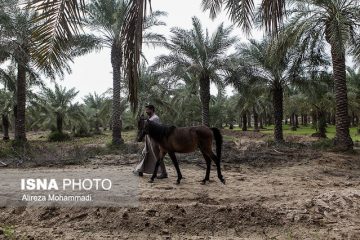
<point>223,181</point>
<point>177,182</point>
<point>203,182</point>
<point>151,180</point>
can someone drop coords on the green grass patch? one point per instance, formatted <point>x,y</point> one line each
<point>9,232</point>
<point>306,131</point>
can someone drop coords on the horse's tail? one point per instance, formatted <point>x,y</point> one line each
<point>218,140</point>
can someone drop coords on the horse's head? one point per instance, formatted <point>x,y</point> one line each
<point>142,128</point>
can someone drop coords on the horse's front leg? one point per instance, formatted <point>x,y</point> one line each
<point>160,158</point>
<point>176,164</point>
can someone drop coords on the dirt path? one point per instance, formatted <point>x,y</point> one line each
<point>269,194</point>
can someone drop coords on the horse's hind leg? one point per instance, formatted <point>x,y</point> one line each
<point>208,167</point>
<point>218,168</point>
<point>176,164</point>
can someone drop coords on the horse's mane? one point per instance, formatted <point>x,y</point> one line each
<point>159,132</point>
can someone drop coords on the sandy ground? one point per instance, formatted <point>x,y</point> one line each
<point>270,193</point>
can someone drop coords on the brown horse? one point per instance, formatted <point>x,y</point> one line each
<point>173,140</point>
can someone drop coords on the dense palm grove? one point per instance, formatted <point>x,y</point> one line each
<point>297,76</point>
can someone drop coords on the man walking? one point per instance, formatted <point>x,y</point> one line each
<point>151,150</point>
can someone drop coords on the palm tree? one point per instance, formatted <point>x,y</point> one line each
<point>8,78</point>
<point>98,109</point>
<point>186,98</point>
<point>292,99</point>
<point>196,52</point>
<point>153,91</point>
<point>17,44</point>
<point>337,23</point>
<point>57,109</point>
<point>217,111</point>
<point>320,93</point>
<point>254,62</point>
<point>107,17</point>
<point>250,95</point>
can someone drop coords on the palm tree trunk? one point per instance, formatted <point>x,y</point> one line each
<point>15,117</point>
<point>59,123</point>
<point>244,122</point>
<point>256,120</point>
<point>278,113</point>
<point>293,121</point>
<point>328,118</point>
<point>322,124</point>
<point>6,124</point>
<point>116,111</point>
<point>249,120</point>
<point>342,138</point>
<point>261,121</point>
<point>205,99</point>
<point>333,119</point>
<point>314,120</point>
<point>97,127</point>
<point>20,131</point>
<point>269,119</point>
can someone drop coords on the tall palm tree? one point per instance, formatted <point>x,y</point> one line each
<point>337,23</point>
<point>255,63</point>
<point>8,78</point>
<point>107,17</point>
<point>17,44</point>
<point>196,52</point>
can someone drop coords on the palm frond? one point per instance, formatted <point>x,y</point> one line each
<point>242,12</point>
<point>272,13</point>
<point>56,22</point>
<point>132,36</point>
